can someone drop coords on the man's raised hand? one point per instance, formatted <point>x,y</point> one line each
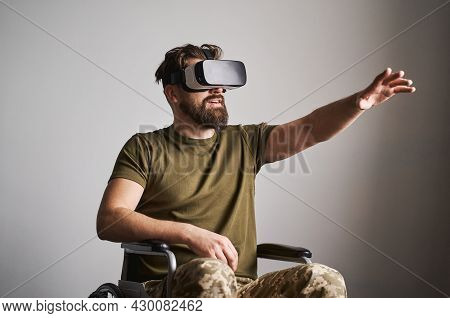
<point>385,85</point>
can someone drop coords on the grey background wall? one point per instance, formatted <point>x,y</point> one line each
<point>76,82</point>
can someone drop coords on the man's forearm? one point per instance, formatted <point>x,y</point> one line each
<point>125,225</point>
<point>330,119</point>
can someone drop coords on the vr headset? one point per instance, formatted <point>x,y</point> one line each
<point>210,73</point>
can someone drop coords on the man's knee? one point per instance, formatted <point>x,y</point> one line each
<point>204,277</point>
<point>324,281</point>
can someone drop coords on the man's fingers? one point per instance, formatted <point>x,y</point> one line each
<point>235,254</point>
<point>220,255</point>
<point>393,76</point>
<point>400,81</point>
<point>380,77</point>
<point>233,249</point>
<point>232,260</point>
<point>404,89</point>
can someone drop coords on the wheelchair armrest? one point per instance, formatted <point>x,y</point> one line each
<point>144,247</point>
<point>284,253</point>
<point>151,247</point>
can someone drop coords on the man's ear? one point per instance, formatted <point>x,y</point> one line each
<point>171,93</point>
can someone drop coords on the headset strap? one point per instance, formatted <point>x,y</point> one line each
<point>177,77</point>
<point>208,54</point>
<point>172,78</point>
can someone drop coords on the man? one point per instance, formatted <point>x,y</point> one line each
<point>192,185</point>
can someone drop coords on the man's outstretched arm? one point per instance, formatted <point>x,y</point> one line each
<point>325,122</point>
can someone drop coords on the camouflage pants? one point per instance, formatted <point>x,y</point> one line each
<point>208,277</point>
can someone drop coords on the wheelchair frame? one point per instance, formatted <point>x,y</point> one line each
<point>132,289</point>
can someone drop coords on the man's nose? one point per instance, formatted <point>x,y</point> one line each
<point>217,90</point>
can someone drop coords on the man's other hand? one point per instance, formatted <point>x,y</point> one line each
<point>205,243</point>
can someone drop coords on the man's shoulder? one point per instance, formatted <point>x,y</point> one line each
<point>151,136</point>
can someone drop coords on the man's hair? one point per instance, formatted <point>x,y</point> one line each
<point>176,58</point>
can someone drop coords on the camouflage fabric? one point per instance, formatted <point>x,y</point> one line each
<point>305,280</point>
<point>208,277</point>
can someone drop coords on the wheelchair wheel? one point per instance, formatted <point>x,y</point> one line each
<point>107,290</point>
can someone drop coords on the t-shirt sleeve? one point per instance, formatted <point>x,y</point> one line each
<point>133,161</point>
<point>257,136</point>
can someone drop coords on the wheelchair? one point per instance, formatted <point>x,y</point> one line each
<point>132,289</point>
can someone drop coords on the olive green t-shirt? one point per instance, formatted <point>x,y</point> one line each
<point>209,183</point>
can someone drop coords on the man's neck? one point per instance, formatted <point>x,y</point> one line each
<point>192,130</point>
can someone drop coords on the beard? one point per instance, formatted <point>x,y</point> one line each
<point>214,117</point>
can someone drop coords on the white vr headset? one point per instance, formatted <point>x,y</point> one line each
<point>210,73</point>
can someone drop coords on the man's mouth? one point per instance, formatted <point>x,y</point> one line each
<point>215,102</point>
